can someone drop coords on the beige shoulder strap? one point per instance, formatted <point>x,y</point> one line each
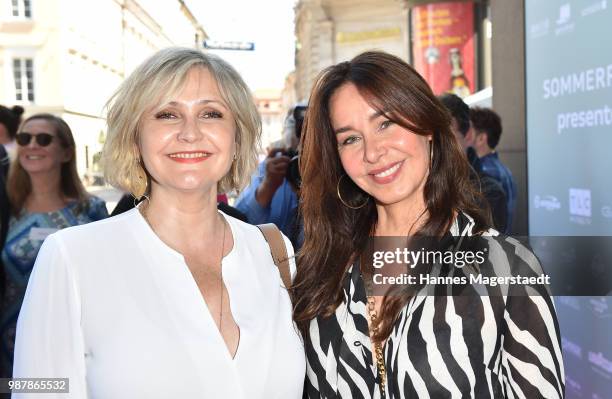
<point>279,252</point>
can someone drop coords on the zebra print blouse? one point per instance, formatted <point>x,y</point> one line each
<point>469,346</point>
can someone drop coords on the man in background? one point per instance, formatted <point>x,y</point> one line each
<point>10,119</point>
<point>487,130</point>
<point>492,191</point>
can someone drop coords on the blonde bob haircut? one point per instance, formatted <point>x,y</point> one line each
<point>154,82</point>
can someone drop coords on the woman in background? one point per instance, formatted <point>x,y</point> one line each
<point>379,159</point>
<point>45,195</point>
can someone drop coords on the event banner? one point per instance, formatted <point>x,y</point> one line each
<point>443,46</point>
<point>569,116</point>
<point>569,137</point>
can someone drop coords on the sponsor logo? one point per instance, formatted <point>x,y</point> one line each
<point>548,202</point>
<point>600,307</point>
<point>565,14</point>
<point>571,347</point>
<point>580,202</point>
<point>540,28</point>
<point>564,24</point>
<point>603,365</point>
<point>606,211</point>
<point>599,5</point>
<point>580,220</point>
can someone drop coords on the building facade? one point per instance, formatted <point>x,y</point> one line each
<point>269,105</point>
<point>288,94</point>
<point>67,57</point>
<point>332,31</point>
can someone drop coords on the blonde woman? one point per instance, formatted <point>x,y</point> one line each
<point>173,298</point>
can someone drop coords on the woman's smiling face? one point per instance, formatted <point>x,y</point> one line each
<point>384,159</point>
<point>35,158</point>
<point>188,143</point>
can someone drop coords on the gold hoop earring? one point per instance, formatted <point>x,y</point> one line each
<point>431,153</point>
<point>141,190</point>
<point>345,203</point>
<point>143,180</point>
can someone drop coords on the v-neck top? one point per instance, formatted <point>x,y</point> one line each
<point>112,307</point>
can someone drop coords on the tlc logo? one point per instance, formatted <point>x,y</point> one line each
<point>580,202</point>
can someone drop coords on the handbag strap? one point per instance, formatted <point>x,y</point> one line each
<point>278,249</point>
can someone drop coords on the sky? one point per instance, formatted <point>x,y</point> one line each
<point>267,23</point>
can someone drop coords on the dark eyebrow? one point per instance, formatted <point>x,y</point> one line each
<point>343,129</point>
<point>375,115</point>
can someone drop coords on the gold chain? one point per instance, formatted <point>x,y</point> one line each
<point>221,282</point>
<point>378,349</point>
<point>143,211</point>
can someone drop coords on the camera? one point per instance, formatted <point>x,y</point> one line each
<point>293,170</point>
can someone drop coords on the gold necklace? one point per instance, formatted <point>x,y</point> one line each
<point>373,329</point>
<point>143,211</point>
<point>221,283</point>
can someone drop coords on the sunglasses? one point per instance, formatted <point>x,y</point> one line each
<point>42,139</point>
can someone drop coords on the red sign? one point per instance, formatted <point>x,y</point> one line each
<point>443,46</point>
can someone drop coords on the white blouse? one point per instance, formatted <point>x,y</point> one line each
<point>113,308</point>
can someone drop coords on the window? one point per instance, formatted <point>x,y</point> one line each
<point>22,8</point>
<point>23,73</point>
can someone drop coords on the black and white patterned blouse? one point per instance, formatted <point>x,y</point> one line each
<point>469,346</point>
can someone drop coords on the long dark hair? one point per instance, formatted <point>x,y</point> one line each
<point>335,234</point>
<point>10,118</point>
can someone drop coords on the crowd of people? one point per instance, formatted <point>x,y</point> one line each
<point>181,293</point>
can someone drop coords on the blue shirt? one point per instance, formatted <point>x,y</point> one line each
<point>492,166</point>
<point>24,239</point>
<point>282,210</point>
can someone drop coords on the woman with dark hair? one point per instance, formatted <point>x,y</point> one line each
<point>10,118</point>
<point>379,159</point>
<point>9,122</point>
<point>45,195</point>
